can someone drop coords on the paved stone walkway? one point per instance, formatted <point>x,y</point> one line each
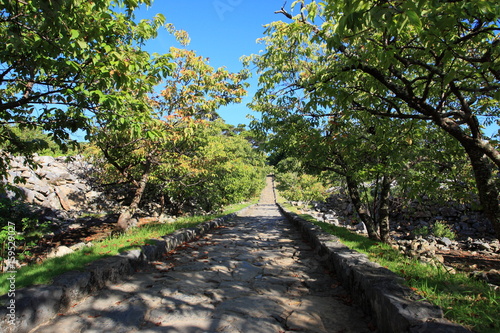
<point>255,275</point>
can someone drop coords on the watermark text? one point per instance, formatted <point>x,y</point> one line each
<point>224,6</point>
<point>11,272</point>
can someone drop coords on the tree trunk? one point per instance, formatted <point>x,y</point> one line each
<point>124,219</point>
<point>363,214</point>
<point>482,161</point>
<point>383,211</point>
<point>485,183</point>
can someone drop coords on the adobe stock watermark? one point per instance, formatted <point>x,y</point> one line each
<point>10,265</point>
<point>224,6</point>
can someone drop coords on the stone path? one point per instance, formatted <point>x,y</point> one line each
<point>255,275</point>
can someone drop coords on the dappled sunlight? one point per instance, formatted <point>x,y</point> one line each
<point>254,274</point>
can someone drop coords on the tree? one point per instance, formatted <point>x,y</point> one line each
<point>64,64</point>
<point>298,185</point>
<point>131,159</point>
<point>195,164</point>
<point>165,140</point>
<point>196,89</point>
<point>224,169</point>
<point>26,140</point>
<point>397,60</point>
<point>373,158</point>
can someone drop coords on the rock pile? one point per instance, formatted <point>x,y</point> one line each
<point>474,233</point>
<point>57,183</point>
<point>61,191</point>
<point>67,189</point>
<point>431,249</point>
<point>462,219</point>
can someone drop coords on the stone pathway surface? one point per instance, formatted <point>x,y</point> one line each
<point>254,275</point>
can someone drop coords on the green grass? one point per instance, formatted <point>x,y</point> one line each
<point>464,300</point>
<point>134,238</point>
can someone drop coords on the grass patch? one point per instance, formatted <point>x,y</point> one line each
<point>134,238</point>
<point>464,300</point>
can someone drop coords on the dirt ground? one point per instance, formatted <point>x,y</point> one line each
<point>469,261</point>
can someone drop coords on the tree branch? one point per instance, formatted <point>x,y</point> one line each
<point>26,100</point>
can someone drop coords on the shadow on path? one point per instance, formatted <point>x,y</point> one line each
<point>254,275</point>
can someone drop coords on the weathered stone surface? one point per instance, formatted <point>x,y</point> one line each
<point>492,276</point>
<point>56,183</point>
<point>104,271</point>
<point>445,241</point>
<point>38,304</point>
<point>412,229</point>
<point>79,246</point>
<point>378,290</point>
<point>33,306</point>
<point>217,284</point>
<point>76,285</point>
<point>253,276</point>
<point>305,321</point>
<point>245,271</point>
<point>405,216</point>
<point>59,251</point>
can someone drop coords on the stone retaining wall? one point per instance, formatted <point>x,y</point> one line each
<point>377,290</point>
<point>380,292</point>
<point>36,305</point>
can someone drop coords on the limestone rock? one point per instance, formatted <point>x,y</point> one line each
<point>55,183</point>
<point>445,241</point>
<point>59,252</point>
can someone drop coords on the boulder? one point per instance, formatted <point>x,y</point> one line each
<point>59,252</point>
<point>361,227</point>
<point>55,183</point>
<point>445,241</point>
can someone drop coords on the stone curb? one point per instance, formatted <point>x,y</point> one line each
<point>380,292</point>
<point>38,304</point>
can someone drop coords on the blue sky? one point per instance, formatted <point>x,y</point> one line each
<point>222,30</point>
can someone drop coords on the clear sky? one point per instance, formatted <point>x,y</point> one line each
<point>222,30</point>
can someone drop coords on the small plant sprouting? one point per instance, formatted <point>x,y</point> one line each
<point>421,231</point>
<point>438,229</point>
<point>442,229</point>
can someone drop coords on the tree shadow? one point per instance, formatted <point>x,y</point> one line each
<point>254,275</point>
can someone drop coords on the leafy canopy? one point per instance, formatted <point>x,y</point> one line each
<point>64,64</point>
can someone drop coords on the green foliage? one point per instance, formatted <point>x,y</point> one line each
<point>196,89</point>
<point>221,168</point>
<point>32,140</point>
<point>19,213</point>
<point>378,92</point>
<point>421,231</point>
<point>18,221</point>
<point>442,229</point>
<point>438,229</point>
<point>300,187</point>
<point>182,155</point>
<point>6,237</point>
<point>209,167</point>
<point>68,64</point>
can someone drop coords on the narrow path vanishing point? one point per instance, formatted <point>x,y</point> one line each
<point>255,275</point>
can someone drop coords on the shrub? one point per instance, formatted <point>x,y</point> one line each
<point>441,229</point>
<point>421,231</point>
<point>438,229</point>
<point>300,187</point>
